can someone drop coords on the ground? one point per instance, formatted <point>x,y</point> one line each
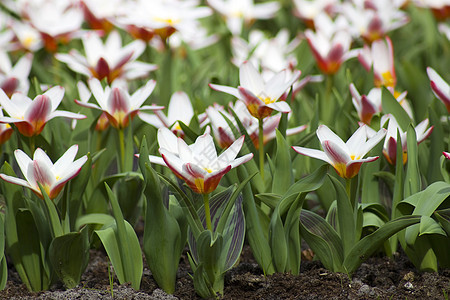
<point>377,278</point>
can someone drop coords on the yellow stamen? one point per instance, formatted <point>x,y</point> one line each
<point>388,78</point>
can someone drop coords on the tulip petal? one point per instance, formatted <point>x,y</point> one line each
<point>336,154</point>
<point>312,153</point>
<point>250,78</point>
<point>180,108</point>
<point>324,133</point>
<point>225,89</point>
<point>56,94</point>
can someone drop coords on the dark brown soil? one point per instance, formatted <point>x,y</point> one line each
<point>378,278</point>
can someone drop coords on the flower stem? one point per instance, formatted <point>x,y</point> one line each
<point>261,147</point>
<point>207,212</point>
<point>32,144</point>
<point>122,150</point>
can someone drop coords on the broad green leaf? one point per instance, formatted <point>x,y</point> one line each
<point>30,252</point>
<point>69,255</point>
<point>372,220</point>
<point>443,217</point>
<point>370,192</point>
<point>425,203</point>
<point>282,175</point>
<point>429,226</point>
<point>346,217</point>
<point>77,187</point>
<point>255,233</point>
<point>436,146</point>
<point>370,243</point>
<point>101,219</point>
<point>210,262</point>
<point>109,239</point>
<point>391,105</point>
<point>163,241</point>
<point>323,240</point>
<point>128,245</point>
<point>3,273</point>
<point>269,199</point>
<point>412,176</point>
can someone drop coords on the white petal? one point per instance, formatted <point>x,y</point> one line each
<point>226,89</point>
<point>312,153</point>
<point>180,108</point>
<point>250,79</point>
<point>167,140</point>
<point>56,95</point>
<point>324,133</point>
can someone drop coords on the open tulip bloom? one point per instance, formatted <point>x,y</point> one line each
<point>117,104</point>
<point>345,157</point>
<point>261,97</point>
<point>41,169</point>
<point>198,164</point>
<point>390,143</point>
<point>30,116</point>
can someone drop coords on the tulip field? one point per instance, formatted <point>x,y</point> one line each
<point>294,130</point>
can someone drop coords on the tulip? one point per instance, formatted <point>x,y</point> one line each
<point>30,116</point>
<point>440,88</point>
<point>117,104</point>
<point>41,169</point>
<point>198,164</point>
<point>345,157</point>
<point>260,96</point>
<point>390,143</point>
<point>380,57</point>
<point>109,60</point>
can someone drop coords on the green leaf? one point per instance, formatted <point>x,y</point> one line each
<point>255,233</point>
<point>69,256</point>
<point>346,217</point>
<point>127,244</point>
<point>391,105</point>
<point>210,263</point>
<point>370,243</point>
<point>436,146</point>
<point>443,217</point>
<point>412,177</point>
<point>101,219</point>
<point>110,241</point>
<point>269,199</point>
<point>282,177</point>
<point>323,240</point>
<point>425,203</point>
<point>30,252</point>
<point>429,226</point>
<point>163,242</point>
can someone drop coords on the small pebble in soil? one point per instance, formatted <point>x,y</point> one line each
<point>409,286</point>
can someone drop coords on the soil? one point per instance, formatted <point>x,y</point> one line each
<point>377,278</point>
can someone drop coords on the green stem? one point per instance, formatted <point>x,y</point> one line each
<point>122,150</point>
<point>207,212</point>
<point>261,147</point>
<point>32,144</point>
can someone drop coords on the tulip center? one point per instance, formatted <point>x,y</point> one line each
<point>207,170</point>
<point>28,42</point>
<point>169,21</point>
<point>353,157</point>
<point>388,78</point>
<point>266,100</point>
